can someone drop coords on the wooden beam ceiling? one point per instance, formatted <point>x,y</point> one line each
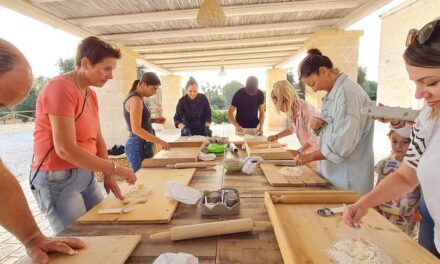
<point>173,55</point>
<point>221,43</point>
<point>270,61</point>
<point>238,10</point>
<point>223,57</point>
<point>153,35</point>
<point>235,66</point>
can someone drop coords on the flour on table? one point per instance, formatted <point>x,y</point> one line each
<point>137,190</point>
<point>351,251</point>
<point>290,171</point>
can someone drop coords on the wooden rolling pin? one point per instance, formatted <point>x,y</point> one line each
<point>316,198</point>
<point>205,230</point>
<point>270,145</point>
<point>183,165</point>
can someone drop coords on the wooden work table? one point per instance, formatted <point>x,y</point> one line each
<point>259,246</point>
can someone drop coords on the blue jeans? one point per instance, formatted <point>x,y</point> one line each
<point>426,230</point>
<point>64,195</point>
<point>136,150</point>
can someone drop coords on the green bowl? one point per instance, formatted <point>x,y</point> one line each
<point>216,148</point>
<point>233,165</point>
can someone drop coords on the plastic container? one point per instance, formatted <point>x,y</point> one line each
<point>216,148</point>
<point>229,203</point>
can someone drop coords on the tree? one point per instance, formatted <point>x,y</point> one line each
<point>370,87</point>
<point>299,89</point>
<point>218,102</point>
<point>65,65</point>
<point>29,103</point>
<point>230,89</point>
<point>141,69</point>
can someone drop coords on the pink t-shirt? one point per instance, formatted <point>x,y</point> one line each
<point>62,98</point>
<point>301,126</point>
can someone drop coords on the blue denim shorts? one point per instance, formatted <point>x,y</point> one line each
<point>64,195</point>
<point>137,150</point>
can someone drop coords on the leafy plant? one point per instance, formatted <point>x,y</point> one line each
<point>219,116</point>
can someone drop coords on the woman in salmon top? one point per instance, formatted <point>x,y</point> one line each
<point>68,144</point>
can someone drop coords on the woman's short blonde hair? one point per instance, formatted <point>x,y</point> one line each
<point>285,99</point>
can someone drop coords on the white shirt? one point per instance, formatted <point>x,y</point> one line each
<point>424,156</point>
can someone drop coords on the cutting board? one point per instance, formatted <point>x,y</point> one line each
<point>239,140</point>
<point>269,153</point>
<point>307,178</point>
<point>179,152</point>
<point>152,208</point>
<point>99,250</point>
<point>304,237</point>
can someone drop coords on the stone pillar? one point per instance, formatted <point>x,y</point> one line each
<point>274,120</point>
<point>111,96</point>
<point>171,93</point>
<point>342,47</point>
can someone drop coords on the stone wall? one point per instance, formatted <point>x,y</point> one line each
<point>394,86</point>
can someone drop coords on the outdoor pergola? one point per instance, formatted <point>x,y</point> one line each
<point>165,36</point>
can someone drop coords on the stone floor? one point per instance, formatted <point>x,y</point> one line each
<point>16,153</point>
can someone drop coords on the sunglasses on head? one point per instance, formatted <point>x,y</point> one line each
<point>423,35</point>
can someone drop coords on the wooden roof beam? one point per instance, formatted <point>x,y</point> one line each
<point>221,43</point>
<point>361,12</point>
<point>229,67</point>
<point>223,57</point>
<point>238,10</point>
<point>224,63</point>
<point>153,35</point>
<point>173,55</point>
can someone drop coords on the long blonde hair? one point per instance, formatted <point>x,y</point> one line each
<point>285,99</point>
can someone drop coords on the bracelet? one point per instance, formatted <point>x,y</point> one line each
<point>114,169</point>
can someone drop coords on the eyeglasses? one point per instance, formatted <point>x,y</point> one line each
<point>422,35</point>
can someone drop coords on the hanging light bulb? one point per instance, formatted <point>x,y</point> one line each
<point>222,72</point>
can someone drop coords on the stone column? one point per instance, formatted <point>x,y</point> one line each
<point>342,47</point>
<point>111,96</point>
<point>171,93</point>
<point>274,120</point>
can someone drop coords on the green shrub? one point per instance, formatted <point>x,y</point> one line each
<point>220,116</point>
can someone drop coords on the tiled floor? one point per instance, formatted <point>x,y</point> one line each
<point>16,152</point>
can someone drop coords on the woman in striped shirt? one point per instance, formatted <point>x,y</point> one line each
<point>422,161</point>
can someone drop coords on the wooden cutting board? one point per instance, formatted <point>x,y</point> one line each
<point>268,153</point>
<point>99,250</point>
<point>307,178</point>
<point>304,237</point>
<point>152,208</point>
<point>179,152</point>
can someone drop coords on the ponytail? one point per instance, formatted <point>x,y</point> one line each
<point>134,85</point>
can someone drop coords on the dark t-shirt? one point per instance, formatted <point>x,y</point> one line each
<point>247,107</point>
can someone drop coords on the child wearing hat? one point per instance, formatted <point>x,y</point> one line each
<point>403,211</point>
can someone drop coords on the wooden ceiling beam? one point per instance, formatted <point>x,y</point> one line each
<point>172,55</point>
<point>222,57</point>
<point>235,66</point>
<point>224,63</point>
<point>255,28</point>
<point>230,11</point>
<point>221,43</point>
<point>364,10</point>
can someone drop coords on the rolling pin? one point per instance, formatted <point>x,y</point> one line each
<point>205,230</point>
<point>316,198</point>
<point>183,165</point>
<point>233,147</point>
<point>271,145</point>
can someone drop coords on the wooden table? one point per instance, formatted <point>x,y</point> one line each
<point>259,246</point>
